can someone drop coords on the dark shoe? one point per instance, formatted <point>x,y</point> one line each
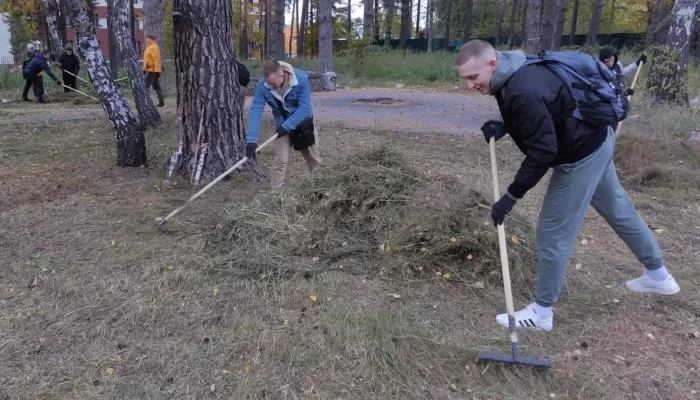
<point>25,99</point>
<point>161,104</point>
<point>41,101</point>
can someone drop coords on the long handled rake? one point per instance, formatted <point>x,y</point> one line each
<point>76,90</point>
<point>212,183</point>
<point>634,81</point>
<point>515,357</point>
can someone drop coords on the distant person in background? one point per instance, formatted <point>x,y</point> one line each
<point>35,70</point>
<point>152,67</point>
<point>70,65</point>
<point>609,56</point>
<point>28,83</point>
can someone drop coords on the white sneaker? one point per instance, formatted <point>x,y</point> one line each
<point>527,318</point>
<point>645,284</point>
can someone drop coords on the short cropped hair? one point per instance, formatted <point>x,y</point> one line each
<point>474,48</point>
<point>151,36</point>
<point>270,68</point>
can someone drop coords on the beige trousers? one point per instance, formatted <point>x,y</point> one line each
<point>283,146</point>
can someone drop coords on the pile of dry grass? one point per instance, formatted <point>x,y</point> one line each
<point>372,213</point>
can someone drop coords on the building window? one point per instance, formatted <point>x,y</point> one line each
<point>102,23</point>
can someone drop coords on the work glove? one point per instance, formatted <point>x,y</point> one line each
<point>496,129</point>
<point>642,59</point>
<point>59,83</point>
<point>144,73</point>
<point>630,92</point>
<point>280,131</point>
<point>250,149</point>
<point>502,208</point>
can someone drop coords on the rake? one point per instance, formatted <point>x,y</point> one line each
<point>514,358</point>
<point>211,184</point>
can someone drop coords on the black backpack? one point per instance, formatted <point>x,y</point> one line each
<point>243,74</point>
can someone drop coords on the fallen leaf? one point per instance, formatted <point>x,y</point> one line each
<point>420,268</point>
<point>34,282</point>
<point>453,240</point>
<point>315,259</point>
<point>650,336</point>
<point>395,295</point>
<point>439,274</point>
<point>469,257</point>
<point>286,322</point>
<point>659,230</point>
<point>552,395</point>
<point>696,334</point>
<point>212,387</point>
<point>314,298</point>
<point>515,239</point>
<point>423,250</point>
<point>608,286</point>
<point>577,353</point>
<point>170,268</point>
<point>453,387</point>
<point>447,276</point>
<point>382,247</point>
<point>579,266</point>
<point>584,242</point>
<point>215,291</point>
<point>479,285</point>
<point>113,243</point>
<point>109,371</point>
<point>616,301</point>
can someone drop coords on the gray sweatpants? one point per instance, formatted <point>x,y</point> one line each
<point>572,188</point>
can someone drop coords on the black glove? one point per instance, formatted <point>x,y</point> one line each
<point>642,59</point>
<point>144,73</point>
<point>496,129</point>
<point>502,208</point>
<point>281,131</point>
<point>59,83</point>
<point>630,92</point>
<point>250,149</point>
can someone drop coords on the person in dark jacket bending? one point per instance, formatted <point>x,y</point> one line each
<point>70,65</point>
<point>537,110</point>
<point>34,71</point>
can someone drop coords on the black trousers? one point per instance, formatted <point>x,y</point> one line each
<point>37,82</point>
<point>69,80</point>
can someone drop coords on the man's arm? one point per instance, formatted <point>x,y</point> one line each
<point>304,110</point>
<point>531,114</point>
<point>256,109</point>
<point>629,70</point>
<point>45,67</point>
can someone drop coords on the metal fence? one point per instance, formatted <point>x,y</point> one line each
<point>7,61</point>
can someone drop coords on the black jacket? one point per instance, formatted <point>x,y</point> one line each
<point>537,111</point>
<point>69,63</point>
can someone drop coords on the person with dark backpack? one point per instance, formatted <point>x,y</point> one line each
<point>558,108</point>
<point>243,81</point>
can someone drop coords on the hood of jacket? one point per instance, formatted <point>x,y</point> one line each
<point>507,63</point>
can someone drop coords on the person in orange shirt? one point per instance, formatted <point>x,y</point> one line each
<point>152,67</point>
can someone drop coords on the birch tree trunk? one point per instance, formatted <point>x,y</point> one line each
<point>574,20</point>
<point>668,75</point>
<point>131,144</point>
<point>291,26</point>
<point>375,28</point>
<point>207,78</point>
<point>325,36</point>
<point>468,17</point>
<point>533,40</point>
<point>302,29</point>
<point>511,23</point>
<point>268,30</point>
<point>62,21</point>
<point>448,22</point>
<point>279,30</point>
<point>154,23</point>
<point>148,114</point>
<point>390,6</point>
<point>50,10</point>
<point>112,39</point>
<point>594,26</point>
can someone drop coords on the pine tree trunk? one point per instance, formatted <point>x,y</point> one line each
<point>559,24</point>
<point>243,45</point>
<point>207,78</point>
<point>112,39</point>
<point>375,29</point>
<point>349,18</point>
<point>62,29</point>
<point>574,20</point>
<point>279,30</point>
<point>148,114</point>
<point>418,20</point>
<point>390,6</point>
<point>132,16</point>
<point>302,29</point>
<point>268,30</point>
<point>653,24</point>
<point>154,22</point>
<point>368,17</point>
<point>550,11</point>
<point>131,144</point>
<point>594,26</point>
<point>500,12</point>
<point>405,32</point>
<point>50,10</point>
<point>511,23</point>
<point>448,21</point>
<point>533,40</point>
<point>468,18</point>
<point>523,21</point>
<point>291,26</point>
<point>325,37</point>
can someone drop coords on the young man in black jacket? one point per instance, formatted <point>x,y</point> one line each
<point>537,110</point>
<point>70,65</point>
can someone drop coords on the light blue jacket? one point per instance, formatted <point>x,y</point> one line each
<point>296,100</point>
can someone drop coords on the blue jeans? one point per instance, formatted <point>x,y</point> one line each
<point>572,188</point>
